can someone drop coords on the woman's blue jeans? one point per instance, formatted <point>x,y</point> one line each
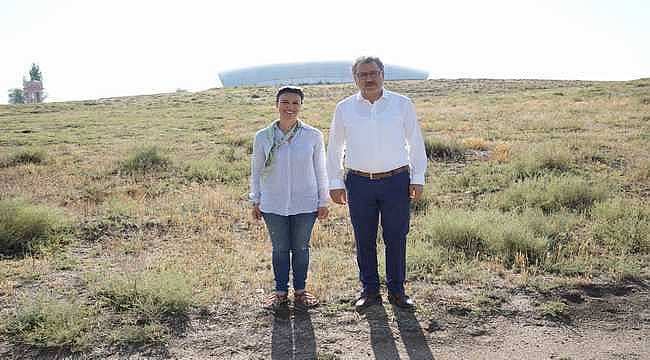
<point>290,238</point>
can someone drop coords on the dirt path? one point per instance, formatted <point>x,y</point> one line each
<point>602,323</point>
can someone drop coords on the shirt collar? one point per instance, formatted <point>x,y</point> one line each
<point>278,131</point>
<point>384,96</point>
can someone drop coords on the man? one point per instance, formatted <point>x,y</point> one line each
<point>376,153</point>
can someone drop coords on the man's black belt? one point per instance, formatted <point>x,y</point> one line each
<point>380,175</point>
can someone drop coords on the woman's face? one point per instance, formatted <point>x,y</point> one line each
<point>289,106</point>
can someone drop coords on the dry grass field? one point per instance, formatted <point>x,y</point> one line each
<point>125,230</point>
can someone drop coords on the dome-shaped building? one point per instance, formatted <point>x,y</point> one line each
<point>308,73</point>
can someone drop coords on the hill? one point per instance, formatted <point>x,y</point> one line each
<point>125,230</point>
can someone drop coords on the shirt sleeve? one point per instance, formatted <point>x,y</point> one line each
<point>321,171</point>
<point>257,166</point>
<point>417,153</point>
<point>335,149</point>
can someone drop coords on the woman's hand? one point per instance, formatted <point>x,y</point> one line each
<point>323,212</point>
<point>256,212</point>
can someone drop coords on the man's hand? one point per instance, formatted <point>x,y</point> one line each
<point>323,212</point>
<point>256,212</point>
<point>415,191</point>
<point>338,196</point>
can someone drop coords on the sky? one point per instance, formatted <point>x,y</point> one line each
<point>88,49</point>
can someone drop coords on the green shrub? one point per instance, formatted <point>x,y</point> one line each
<point>486,303</point>
<point>151,295</point>
<point>555,309</point>
<point>624,267</point>
<point>512,238</point>
<point>619,208</point>
<point>24,226</point>
<point>550,193</point>
<point>540,159</point>
<point>144,159</point>
<point>224,170</point>
<point>444,150</point>
<point>623,226</point>
<point>203,170</point>
<point>570,267</point>
<point>457,230</point>
<point>482,233</point>
<point>425,259</point>
<point>24,156</point>
<point>482,178</point>
<point>148,334</point>
<point>556,227</point>
<point>46,323</point>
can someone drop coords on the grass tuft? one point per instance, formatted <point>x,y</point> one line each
<point>483,178</point>
<point>554,309</point>
<point>151,295</point>
<point>24,156</point>
<point>148,334</point>
<point>24,226</point>
<point>485,234</point>
<point>209,170</point>
<point>444,150</point>
<point>229,166</point>
<point>425,259</point>
<point>622,226</point>
<point>46,323</point>
<point>541,159</point>
<point>456,230</point>
<point>144,159</point>
<point>550,193</point>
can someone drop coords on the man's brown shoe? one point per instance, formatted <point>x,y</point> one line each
<point>366,300</point>
<point>401,301</point>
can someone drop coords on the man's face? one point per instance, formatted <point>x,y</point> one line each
<point>369,79</point>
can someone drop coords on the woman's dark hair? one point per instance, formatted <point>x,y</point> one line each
<point>291,90</point>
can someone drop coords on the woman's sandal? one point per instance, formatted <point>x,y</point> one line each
<point>304,300</point>
<point>275,301</point>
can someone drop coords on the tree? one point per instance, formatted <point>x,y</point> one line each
<point>16,96</point>
<point>35,73</point>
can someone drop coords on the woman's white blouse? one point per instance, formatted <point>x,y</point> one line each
<point>296,181</point>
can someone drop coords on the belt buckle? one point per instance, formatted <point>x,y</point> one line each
<point>371,176</point>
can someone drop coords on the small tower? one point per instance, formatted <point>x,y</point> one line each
<point>33,91</point>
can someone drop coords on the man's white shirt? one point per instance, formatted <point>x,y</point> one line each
<point>375,137</point>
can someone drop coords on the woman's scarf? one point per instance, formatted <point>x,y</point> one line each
<point>275,143</point>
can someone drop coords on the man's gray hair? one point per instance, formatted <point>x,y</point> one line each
<point>366,60</point>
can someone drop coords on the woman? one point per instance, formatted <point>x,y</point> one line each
<point>289,190</point>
